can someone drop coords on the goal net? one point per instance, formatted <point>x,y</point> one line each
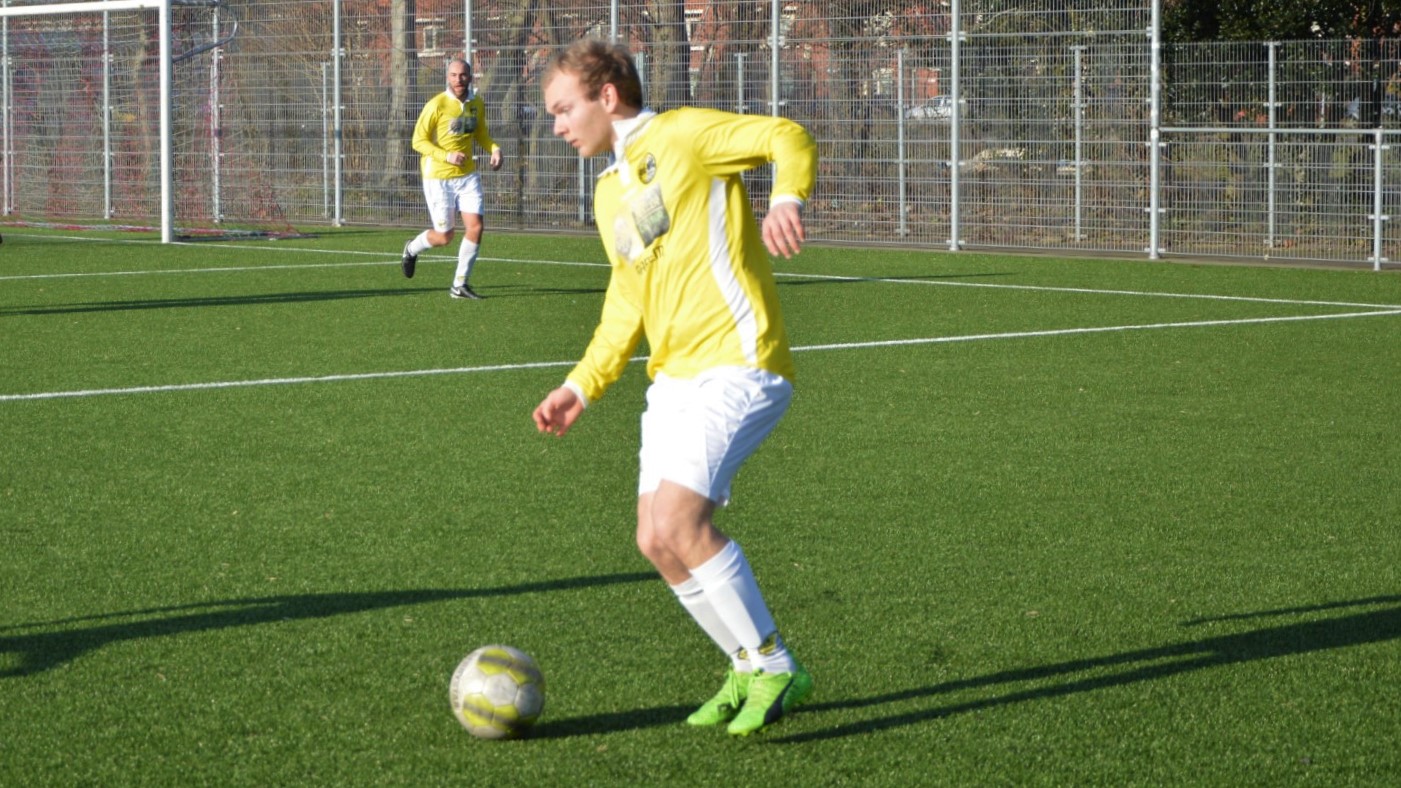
<point>112,117</point>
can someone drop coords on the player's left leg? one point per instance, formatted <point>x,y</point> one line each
<point>696,434</point>
<point>469,202</point>
<point>691,594</point>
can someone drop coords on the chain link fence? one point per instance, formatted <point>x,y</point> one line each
<point>957,125</point>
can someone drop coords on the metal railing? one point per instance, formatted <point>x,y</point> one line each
<point>1059,126</point>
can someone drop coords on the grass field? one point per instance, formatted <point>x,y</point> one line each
<point>1030,521</point>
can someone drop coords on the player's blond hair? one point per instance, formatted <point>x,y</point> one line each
<point>597,63</point>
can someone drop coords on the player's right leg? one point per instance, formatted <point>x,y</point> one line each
<point>678,492</point>
<point>738,408</point>
<point>438,199</point>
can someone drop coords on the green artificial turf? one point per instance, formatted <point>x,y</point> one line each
<point>1030,521</point>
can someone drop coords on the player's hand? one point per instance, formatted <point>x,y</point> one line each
<point>558,411</point>
<point>496,159</point>
<point>456,157</point>
<point>783,230</point>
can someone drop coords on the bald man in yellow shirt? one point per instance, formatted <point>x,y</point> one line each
<point>691,273</point>
<point>450,124</point>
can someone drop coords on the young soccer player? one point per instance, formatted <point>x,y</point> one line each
<point>689,271</point>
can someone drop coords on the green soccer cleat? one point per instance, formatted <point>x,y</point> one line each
<point>725,705</point>
<point>771,695</point>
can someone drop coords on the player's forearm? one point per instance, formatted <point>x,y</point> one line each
<point>794,154</point>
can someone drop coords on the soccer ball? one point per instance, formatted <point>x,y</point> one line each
<point>497,692</point>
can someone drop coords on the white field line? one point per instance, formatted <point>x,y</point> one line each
<point>1055,332</point>
<point>276,267</point>
<point>233,384</point>
<point>575,263</point>
<point>1380,310</point>
<point>1092,291</point>
<point>806,348</point>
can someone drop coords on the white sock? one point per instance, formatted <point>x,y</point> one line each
<point>692,597</point>
<point>420,244</point>
<point>466,259</point>
<point>733,593</point>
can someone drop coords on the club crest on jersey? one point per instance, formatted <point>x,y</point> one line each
<point>465,124</point>
<point>649,169</point>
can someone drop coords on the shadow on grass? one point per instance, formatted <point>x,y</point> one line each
<point>493,292</point>
<point>613,722</point>
<point>41,651</point>
<point>1130,667</point>
<point>190,303</point>
<point>522,291</point>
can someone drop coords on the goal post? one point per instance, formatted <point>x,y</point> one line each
<point>111,114</point>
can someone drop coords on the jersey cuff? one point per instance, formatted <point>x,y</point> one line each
<point>779,199</point>
<point>578,391</point>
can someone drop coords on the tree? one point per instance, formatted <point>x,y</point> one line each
<point>670,50</point>
<point>1279,20</point>
<point>403,83</point>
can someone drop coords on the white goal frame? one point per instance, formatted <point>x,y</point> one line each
<point>166,128</point>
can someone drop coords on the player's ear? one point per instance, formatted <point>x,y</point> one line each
<point>608,94</point>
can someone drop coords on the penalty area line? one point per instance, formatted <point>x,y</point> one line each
<point>1055,332</point>
<point>230,384</point>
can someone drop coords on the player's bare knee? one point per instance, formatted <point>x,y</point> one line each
<point>650,546</point>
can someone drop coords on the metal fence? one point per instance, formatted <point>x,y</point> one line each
<point>1282,150</point>
<point>957,125</point>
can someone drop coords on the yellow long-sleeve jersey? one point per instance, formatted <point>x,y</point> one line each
<point>448,124</point>
<point>689,266</point>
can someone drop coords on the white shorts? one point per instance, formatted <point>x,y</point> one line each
<point>697,432</point>
<point>447,198</point>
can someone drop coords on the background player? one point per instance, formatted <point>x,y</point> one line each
<point>447,128</point>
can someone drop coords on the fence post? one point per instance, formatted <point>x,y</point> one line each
<point>739,87</point>
<point>107,211</point>
<point>1377,217</point>
<point>5,152</point>
<point>216,122</point>
<point>325,141</point>
<point>955,117</point>
<point>1272,138</point>
<point>900,136</point>
<point>1155,139</point>
<point>1079,94</point>
<point>583,190</point>
<point>167,126</point>
<point>773,57</point>
<point>336,101</point>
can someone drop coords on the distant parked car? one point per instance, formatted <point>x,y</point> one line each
<point>1069,167</point>
<point>937,108</point>
<point>1391,107</point>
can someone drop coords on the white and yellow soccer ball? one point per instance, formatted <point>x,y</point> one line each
<point>497,692</point>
